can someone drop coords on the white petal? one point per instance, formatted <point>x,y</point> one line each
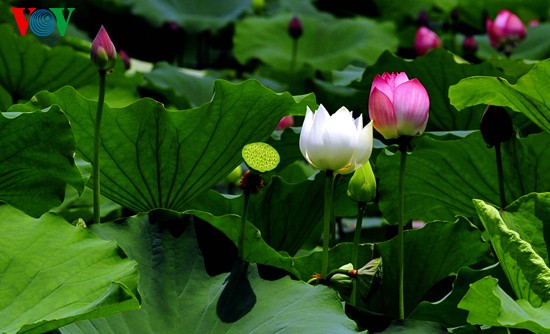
<point>316,151</point>
<point>305,132</point>
<point>364,145</point>
<point>340,139</point>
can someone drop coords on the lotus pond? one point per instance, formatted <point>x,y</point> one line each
<point>274,166</point>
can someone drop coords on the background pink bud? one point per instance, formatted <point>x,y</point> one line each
<point>469,44</point>
<point>398,106</point>
<point>285,122</point>
<point>103,52</point>
<point>425,40</point>
<point>295,28</point>
<point>507,28</point>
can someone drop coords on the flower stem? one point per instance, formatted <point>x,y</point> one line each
<point>356,239</point>
<point>293,57</point>
<point>333,226</point>
<point>500,177</point>
<point>97,143</point>
<point>244,214</point>
<point>400,236</point>
<point>327,221</point>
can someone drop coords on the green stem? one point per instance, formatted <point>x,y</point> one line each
<point>327,223</point>
<point>400,236</point>
<point>333,227</point>
<point>355,254</point>
<point>293,57</point>
<point>246,200</point>
<point>500,177</point>
<point>97,144</point>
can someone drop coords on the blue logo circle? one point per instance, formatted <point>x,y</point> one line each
<point>42,22</point>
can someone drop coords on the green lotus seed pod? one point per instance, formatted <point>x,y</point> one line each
<point>261,157</point>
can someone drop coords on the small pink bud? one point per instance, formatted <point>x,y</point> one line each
<point>295,28</point>
<point>507,29</point>
<point>398,106</point>
<point>469,44</point>
<point>103,53</point>
<point>285,122</point>
<point>425,40</point>
<point>125,58</point>
<point>534,23</point>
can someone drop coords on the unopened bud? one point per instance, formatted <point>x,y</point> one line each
<point>295,28</point>
<point>496,125</point>
<point>103,53</point>
<point>469,44</point>
<point>362,185</point>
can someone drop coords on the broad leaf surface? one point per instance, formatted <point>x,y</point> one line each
<point>178,295</point>
<point>37,160</point>
<point>326,44</point>
<point>53,273</point>
<point>443,176</point>
<point>28,66</point>
<point>193,15</point>
<point>183,88</point>
<point>526,270</point>
<point>528,96</point>
<point>155,158</point>
<point>432,253</point>
<point>285,214</point>
<point>437,71</point>
<point>445,311</point>
<point>489,305</point>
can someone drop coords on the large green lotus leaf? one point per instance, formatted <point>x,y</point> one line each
<point>192,15</point>
<point>285,214</point>
<point>37,160</point>
<point>488,304</point>
<point>528,96</point>
<point>179,296</point>
<point>443,116</point>
<point>526,270</point>
<point>183,88</point>
<point>28,66</point>
<point>155,158</point>
<point>400,9</point>
<point>445,311</point>
<point>325,45</point>
<point>53,273</point>
<point>432,253</point>
<point>443,176</point>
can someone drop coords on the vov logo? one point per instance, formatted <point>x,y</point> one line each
<point>42,22</point>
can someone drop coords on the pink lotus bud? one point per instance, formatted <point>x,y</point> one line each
<point>534,23</point>
<point>506,29</point>
<point>125,58</point>
<point>469,44</point>
<point>425,40</point>
<point>285,122</point>
<point>103,52</point>
<point>295,28</point>
<point>398,106</point>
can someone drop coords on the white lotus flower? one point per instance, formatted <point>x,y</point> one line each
<point>338,142</point>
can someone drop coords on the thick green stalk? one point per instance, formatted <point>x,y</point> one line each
<point>333,227</point>
<point>97,144</point>
<point>355,254</point>
<point>244,214</point>
<point>500,177</point>
<point>400,236</point>
<point>327,221</point>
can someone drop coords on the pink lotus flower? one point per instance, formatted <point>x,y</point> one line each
<point>103,53</point>
<point>506,29</point>
<point>425,40</point>
<point>398,106</point>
